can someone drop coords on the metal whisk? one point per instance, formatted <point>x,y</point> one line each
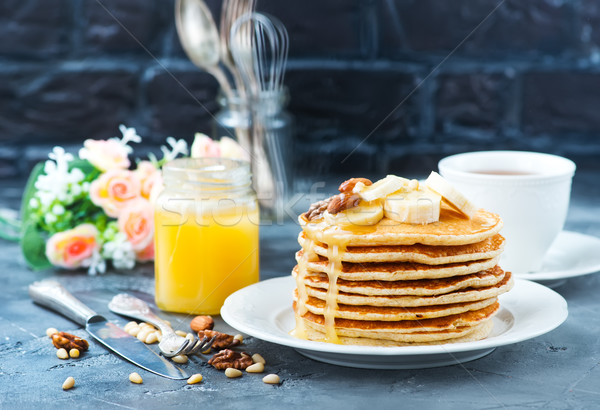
<point>259,47</point>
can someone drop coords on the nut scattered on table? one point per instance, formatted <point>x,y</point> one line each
<point>222,341</point>
<point>181,359</point>
<point>74,353</point>
<point>232,373</point>
<point>195,378</point>
<point>202,323</point>
<point>257,358</point>
<point>271,379</point>
<point>62,353</point>
<point>180,333</point>
<point>50,331</point>
<point>68,383</point>
<point>256,368</point>
<point>135,378</point>
<point>227,358</point>
<point>69,341</point>
<point>239,338</point>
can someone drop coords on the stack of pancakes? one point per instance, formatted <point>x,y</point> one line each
<point>393,284</point>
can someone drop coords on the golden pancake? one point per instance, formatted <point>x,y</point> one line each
<point>411,331</point>
<point>432,255</point>
<point>464,295</point>
<point>451,229</point>
<point>317,306</point>
<point>423,287</point>
<point>399,270</point>
<point>474,333</point>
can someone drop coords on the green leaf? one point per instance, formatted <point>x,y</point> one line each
<point>84,165</point>
<point>33,244</point>
<point>29,192</point>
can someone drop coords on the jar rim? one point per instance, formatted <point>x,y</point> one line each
<point>209,172</point>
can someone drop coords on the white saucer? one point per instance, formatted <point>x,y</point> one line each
<point>571,254</point>
<point>264,310</point>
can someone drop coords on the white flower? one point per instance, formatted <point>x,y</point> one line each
<point>177,147</point>
<point>121,252</point>
<point>34,203</point>
<point>58,209</point>
<point>129,135</point>
<point>49,218</point>
<point>97,264</point>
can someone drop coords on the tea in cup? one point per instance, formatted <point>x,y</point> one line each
<point>529,190</point>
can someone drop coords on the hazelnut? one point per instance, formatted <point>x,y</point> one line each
<point>202,323</point>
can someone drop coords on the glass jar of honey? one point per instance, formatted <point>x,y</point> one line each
<point>206,234</point>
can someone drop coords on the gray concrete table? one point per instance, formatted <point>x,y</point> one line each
<point>554,371</point>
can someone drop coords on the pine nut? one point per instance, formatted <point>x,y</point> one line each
<point>190,337</point>
<point>50,331</point>
<point>146,324</point>
<point>232,373</point>
<point>62,354</point>
<point>168,323</point>
<point>181,359</point>
<point>129,325</point>
<point>194,378</point>
<point>74,353</point>
<point>180,333</point>
<point>134,330</point>
<point>68,383</point>
<point>207,351</point>
<point>151,338</point>
<point>256,368</point>
<point>257,358</point>
<point>135,378</point>
<point>271,379</point>
<point>239,337</point>
<point>143,334</point>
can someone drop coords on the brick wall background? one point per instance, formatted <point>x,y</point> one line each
<point>407,81</point>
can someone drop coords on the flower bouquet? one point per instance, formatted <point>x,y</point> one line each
<point>80,212</point>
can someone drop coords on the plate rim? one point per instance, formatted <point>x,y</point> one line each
<point>550,298</point>
<point>564,274</point>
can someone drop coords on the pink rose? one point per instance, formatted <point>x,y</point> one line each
<point>231,149</point>
<point>136,221</point>
<point>204,146</point>
<point>148,175</point>
<point>73,248</point>
<point>105,154</point>
<point>114,189</point>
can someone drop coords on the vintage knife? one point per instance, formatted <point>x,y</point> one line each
<point>52,295</point>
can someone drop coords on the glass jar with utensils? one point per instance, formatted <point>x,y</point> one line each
<point>269,147</point>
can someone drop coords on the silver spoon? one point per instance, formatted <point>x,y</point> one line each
<point>200,38</point>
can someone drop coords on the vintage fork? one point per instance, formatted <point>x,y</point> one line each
<point>171,344</point>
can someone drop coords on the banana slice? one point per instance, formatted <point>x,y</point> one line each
<point>382,188</point>
<point>366,213</point>
<point>420,206</point>
<point>454,198</point>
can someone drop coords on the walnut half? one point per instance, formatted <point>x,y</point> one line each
<point>68,341</point>
<point>222,341</point>
<point>227,358</point>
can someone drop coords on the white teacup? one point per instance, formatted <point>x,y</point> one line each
<point>529,190</point>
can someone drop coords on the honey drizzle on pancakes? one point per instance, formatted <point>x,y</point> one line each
<point>300,330</point>
<point>336,247</point>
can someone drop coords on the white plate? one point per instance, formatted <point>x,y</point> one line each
<point>264,310</point>
<point>571,254</point>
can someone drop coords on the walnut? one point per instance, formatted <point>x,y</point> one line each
<point>68,341</point>
<point>222,341</point>
<point>317,209</point>
<point>228,358</point>
<point>348,185</point>
<point>343,201</point>
<point>202,323</point>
